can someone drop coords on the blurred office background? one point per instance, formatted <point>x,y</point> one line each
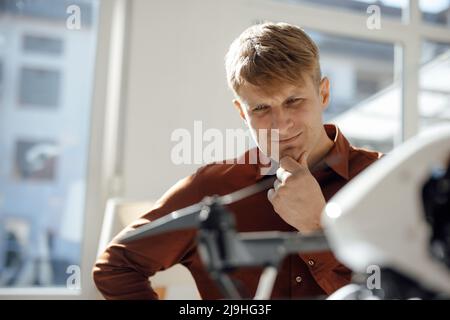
<point>87,106</point>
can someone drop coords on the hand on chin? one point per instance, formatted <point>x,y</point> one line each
<point>291,152</point>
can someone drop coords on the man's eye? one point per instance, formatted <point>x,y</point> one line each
<point>296,100</point>
<point>260,108</point>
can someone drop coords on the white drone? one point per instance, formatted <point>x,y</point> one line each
<point>379,217</point>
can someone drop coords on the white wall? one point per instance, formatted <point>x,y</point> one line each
<point>175,76</point>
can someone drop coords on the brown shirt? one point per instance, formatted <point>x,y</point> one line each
<point>123,270</point>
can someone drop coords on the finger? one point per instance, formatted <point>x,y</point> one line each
<point>276,185</point>
<point>282,174</point>
<point>270,194</point>
<point>289,164</point>
<point>303,161</point>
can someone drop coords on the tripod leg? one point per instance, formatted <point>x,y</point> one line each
<point>227,286</point>
<point>266,282</point>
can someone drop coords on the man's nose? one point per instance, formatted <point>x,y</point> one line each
<point>282,121</point>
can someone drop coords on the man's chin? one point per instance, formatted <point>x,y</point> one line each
<point>294,153</point>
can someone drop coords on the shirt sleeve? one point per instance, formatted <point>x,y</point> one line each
<point>122,271</point>
<point>327,271</point>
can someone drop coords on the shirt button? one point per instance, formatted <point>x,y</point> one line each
<point>298,279</point>
<point>311,262</point>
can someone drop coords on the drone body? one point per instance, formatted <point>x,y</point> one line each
<point>379,218</point>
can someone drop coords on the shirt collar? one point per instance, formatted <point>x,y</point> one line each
<point>337,158</point>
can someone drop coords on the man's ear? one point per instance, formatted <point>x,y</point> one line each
<point>324,92</point>
<point>239,108</point>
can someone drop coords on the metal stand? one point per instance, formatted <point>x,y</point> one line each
<point>223,249</point>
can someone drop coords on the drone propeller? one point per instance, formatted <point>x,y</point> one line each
<point>191,216</point>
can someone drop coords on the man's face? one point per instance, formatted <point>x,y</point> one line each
<point>294,110</point>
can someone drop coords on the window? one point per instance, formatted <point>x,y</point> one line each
<point>398,97</point>
<point>436,12</point>
<point>394,9</point>
<point>36,160</point>
<point>39,87</point>
<point>44,155</point>
<point>1,80</point>
<point>42,44</point>
<point>15,233</point>
<point>434,95</point>
<point>362,79</point>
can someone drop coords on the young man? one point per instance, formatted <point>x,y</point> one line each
<point>274,72</point>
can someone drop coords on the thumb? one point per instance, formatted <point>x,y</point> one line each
<point>303,161</point>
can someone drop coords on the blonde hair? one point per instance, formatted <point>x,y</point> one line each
<point>271,54</point>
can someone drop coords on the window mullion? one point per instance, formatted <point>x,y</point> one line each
<point>411,66</point>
